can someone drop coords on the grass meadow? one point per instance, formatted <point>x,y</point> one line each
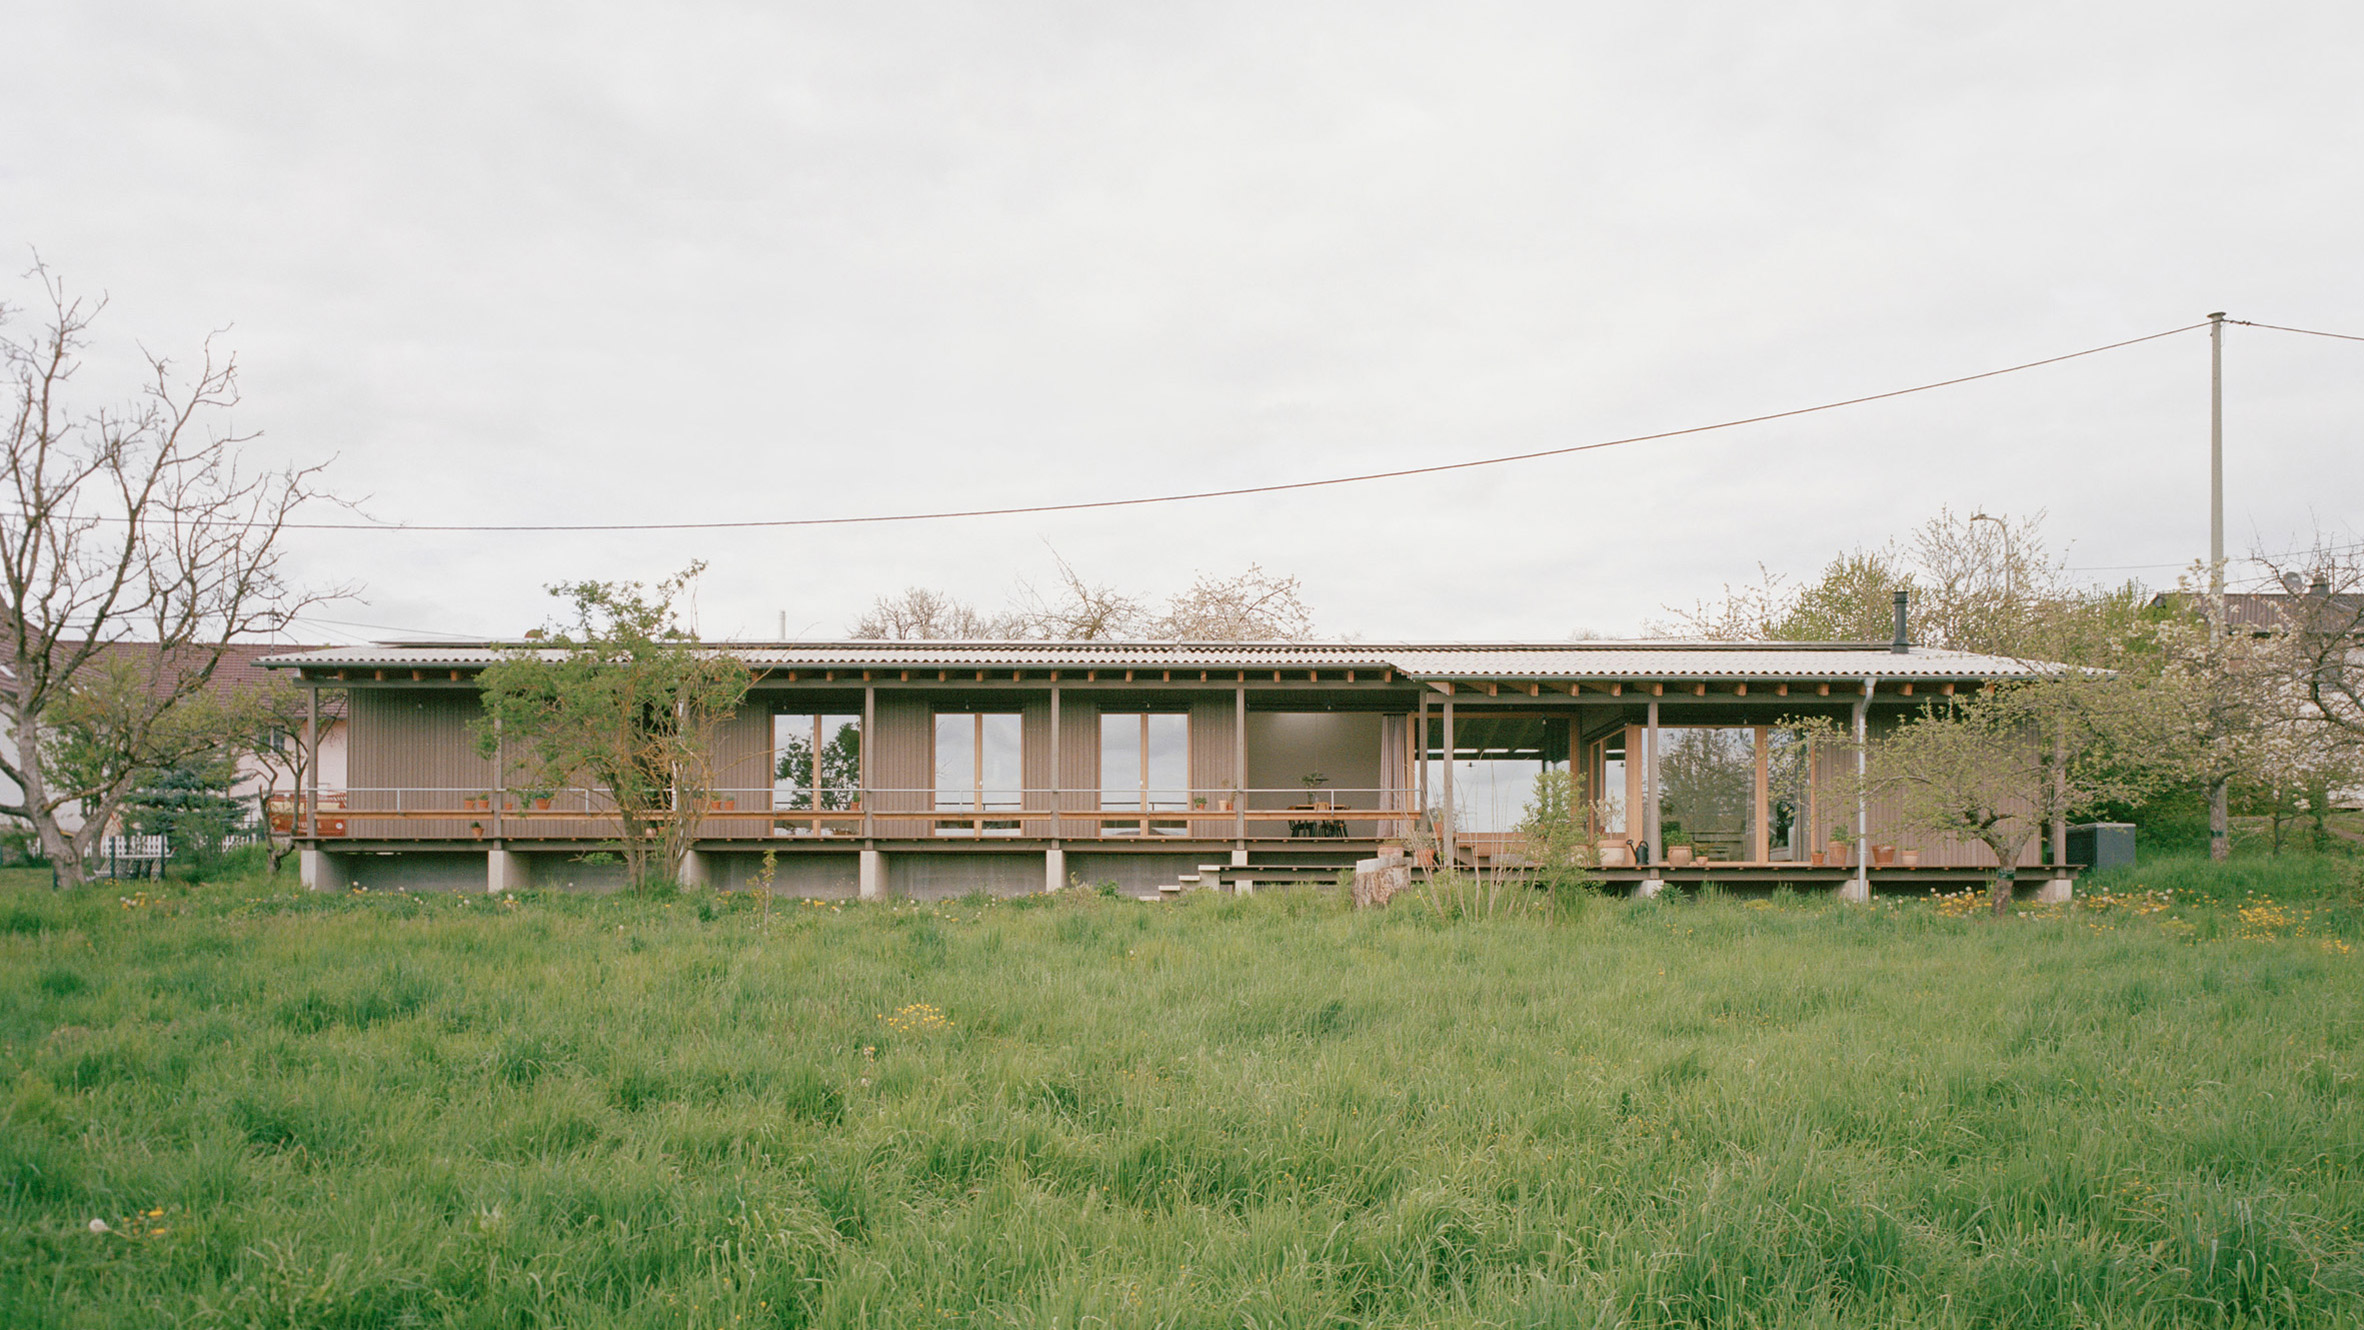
<point>343,1111</point>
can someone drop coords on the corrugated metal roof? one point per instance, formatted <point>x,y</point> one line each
<point>1561,660</point>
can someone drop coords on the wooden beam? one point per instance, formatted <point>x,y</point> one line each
<point>792,676</point>
<point>1822,689</point>
<point>455,676</point>
<point>1616,690</point>
<point>1534,690</point>
<point>1276,676</point>
<point>905,673</point>
<point>1740,689</point>
<point>1658,690</point>
<point>1313,676</point>
<point>1949,690</point>
<point>1444,686</point>
<point>980,676</point>
<point>1091,676</point>
<point>943,676</point>
<point>381,676</point>
<point>1168,677</point>
<point>1387,677</point>
<point>830,676</point>
<point>418,676</point>
<point>1128,676</point>
<point>1908,688</point>
<point>1698,690</point>
<point>1350,676</point>
<point>1781,690</point>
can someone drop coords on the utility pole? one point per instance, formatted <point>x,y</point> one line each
<point>2220,820</point>
<point>2216,461</point>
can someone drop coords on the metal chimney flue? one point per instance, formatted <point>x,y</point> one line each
<point>1903,643</point>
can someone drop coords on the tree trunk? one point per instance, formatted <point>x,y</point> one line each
<point>1999,896</point>
<point>2220,819</point>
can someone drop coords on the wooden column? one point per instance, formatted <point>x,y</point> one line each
<point>1763,849</point>
<point>1420,757</point>
<point>1650,821</point>
<point>500,799</point>
<point>869,739</point>
<point>312,767</point>
<point>1239,769</point>
<point>1056,802</point>
<point>1448,832</point>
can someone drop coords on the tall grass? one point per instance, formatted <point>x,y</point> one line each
<point>297,1110</point>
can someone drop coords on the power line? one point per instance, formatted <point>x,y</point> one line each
<point>1244,490</point>
<point>2311,332</point>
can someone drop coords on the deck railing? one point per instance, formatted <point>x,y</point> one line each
<point>578,813</point>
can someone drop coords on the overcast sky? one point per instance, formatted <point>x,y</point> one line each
<point>583,262</point>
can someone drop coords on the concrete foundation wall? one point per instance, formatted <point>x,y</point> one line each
<point>413,871</point>
<point>943,876</point>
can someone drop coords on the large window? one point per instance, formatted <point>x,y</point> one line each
<point>1708,791</point>
<point>1145,765</point>
<point>980,766</point>
<point>1495,762</point>
<point>816,762</point>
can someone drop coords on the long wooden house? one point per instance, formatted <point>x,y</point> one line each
<point>929,769</point>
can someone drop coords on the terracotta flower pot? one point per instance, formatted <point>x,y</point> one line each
<point>1818,858</point>
<point>1883,856</point>
<point>1912,858</point>
<point>1678,855</point>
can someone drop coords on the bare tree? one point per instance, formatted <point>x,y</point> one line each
<point>127,523</point>
<point>1251,606</point>
<point>2324,620</point>
<point>270,730</point>
<point>917,614</point>
<point>1076,610</point>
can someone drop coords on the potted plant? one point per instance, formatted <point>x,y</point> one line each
<point>1883,856</point>
<point>1614,852</point>
<point>1840,839</point>
<point>478,828</point>
<point>1678,845</point>
<point>1199,802</point>
<point>1912,858</point>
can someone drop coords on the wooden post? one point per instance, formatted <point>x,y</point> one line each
<point>500,799</point>
<point>1448,832</point>
<point>1239,771</point>
<point>1650,820</point>
<point>1057,804</point>
<point>1763,849</point>
<point>1420,758</point>
<point>312,766</point>
<point>869,738</point>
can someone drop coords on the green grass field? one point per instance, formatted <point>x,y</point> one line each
<point>293,1110</point>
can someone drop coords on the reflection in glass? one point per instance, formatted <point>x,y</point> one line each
<point>1495,762</point>
<point>816,762</point>
<point>1611,802</point>
<point>1788,773</point>
<point>1144,761</point>
<point>979,761</point>
<point>1708,791</point>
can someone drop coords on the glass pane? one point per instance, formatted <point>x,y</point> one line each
<point>792,761</point>
<point>1001,763</point>
<point>1169,761</point>
<point>1495,762</point>
<point>839,781</point>
<point>1120,759</point>
<point>956,760</point>
<point>1789,766</point>
<point>1610,803</point>
<point>1709,795</point>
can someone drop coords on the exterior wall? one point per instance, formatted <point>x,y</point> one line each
<point>903,765</point>
<point>412,748</point>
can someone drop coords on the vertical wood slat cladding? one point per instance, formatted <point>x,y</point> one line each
<point>743,771</point>
<point>1034,753</point>
<point>1211,743</point>
<point>1079,761</point>
<point>414,748</point>
<point>903,766</point>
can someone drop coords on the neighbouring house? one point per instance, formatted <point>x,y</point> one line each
<point>240,668</point>
<point>930,769</point>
